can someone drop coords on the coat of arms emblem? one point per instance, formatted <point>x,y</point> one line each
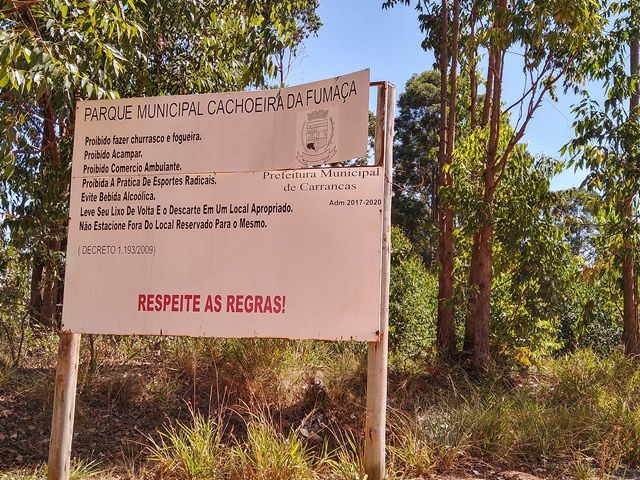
<point>317,137</point>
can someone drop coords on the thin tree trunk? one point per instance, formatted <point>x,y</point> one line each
<point>488,93</point>
<point>50,162</point>
<point>35,302</point>
<point>470,327</point>
<point>60,287</point>
<point>473,79</point>
<point>445,335</point>
<point>443,63</point>
<point>50,286</point>
<point>631,329</point>
<point>48,300</point>
<point>481,274</point>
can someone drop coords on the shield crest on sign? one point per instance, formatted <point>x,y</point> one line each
<point>316,138</point>
<point>317,132</point>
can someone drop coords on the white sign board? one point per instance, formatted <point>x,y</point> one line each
<point>197,246</point>
<point>312,124</point>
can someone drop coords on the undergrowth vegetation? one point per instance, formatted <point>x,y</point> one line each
<point>273,409</point>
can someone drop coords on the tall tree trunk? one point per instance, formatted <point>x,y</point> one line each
<point>445,335</point>
<point>49,289</point>
<point>473,78</point>
<point>467,345</point>
<point>60,287</point>
<point>48,283</point>
<point>48,300</point>
<point>631,329</point>
<point>479,304</point>
<point>35,302</point>
<point>488,93</point>
<point>481,274</point>
<point>481,277</point>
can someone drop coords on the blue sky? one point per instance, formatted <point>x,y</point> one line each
<point>358,34</point>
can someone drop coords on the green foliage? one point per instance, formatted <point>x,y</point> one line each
<point>193,47</point>
<point>412,300</point>
<point>592,312</point>
<point>607,144</point>
<point>415,160</point>
<point>14,286</point>
<point>51,53</point>
<point>533,268</point>
<point>543,298</point>
<point>550,36</point>
<point>589,315</point>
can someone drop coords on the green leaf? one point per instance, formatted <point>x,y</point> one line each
<point>18,79</point>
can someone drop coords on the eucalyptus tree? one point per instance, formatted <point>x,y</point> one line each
<point>608,144</point>
<point>50,53</point>
<point>53,53</point>
<point>549,38</point>
<point>416,140</point>
<point>443,35</point>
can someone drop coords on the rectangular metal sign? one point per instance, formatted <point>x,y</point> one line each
<point>312,124</point>
<point>195,246</point>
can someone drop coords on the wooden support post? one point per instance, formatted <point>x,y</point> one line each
<point>64,405</point>
<point>376,415</point>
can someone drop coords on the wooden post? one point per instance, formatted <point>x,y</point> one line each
<point>376,415</point>
<point>64,405</point>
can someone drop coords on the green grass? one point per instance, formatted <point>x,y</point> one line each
<point>576,408</point>
<point>581,410</point>
<point>192,451</point>
<point>260,409</point>
<point>347,460</point>
<point>267,454</point>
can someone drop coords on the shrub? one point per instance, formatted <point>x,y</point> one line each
<point>412,300</point>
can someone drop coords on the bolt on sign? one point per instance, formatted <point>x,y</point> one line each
<point>211,215</point>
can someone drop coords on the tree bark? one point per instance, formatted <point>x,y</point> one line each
<point>44,283</point>
<point>631,329</point>
<point>481,272</point>
<point>48,300</point>
<point>473,79</point>
<point>445,335</point>
<point>49,290</point>
<point>35,302</point>
<point>476,334</point>
<point>481,277</point>
<point>488,93</point>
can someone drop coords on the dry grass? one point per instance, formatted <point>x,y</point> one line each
<point>278,409</point>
